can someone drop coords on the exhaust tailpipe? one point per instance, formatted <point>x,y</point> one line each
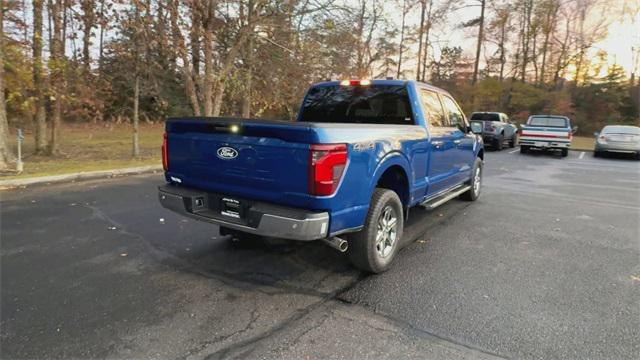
<point>337,243</point>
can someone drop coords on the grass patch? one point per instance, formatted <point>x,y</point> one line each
<point>583,143</point>
<point>90,147</point>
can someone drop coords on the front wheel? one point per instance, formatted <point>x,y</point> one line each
<point>373,248</point>
<point>524,149</point>
<point>475,182</point>
<point>512,142</point>
<point>497,143</point>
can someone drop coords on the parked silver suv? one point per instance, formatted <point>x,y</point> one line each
<point>496,129</point>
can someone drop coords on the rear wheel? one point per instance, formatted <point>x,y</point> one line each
<point>524,149</point>
<point>564,152</point>
<point>373,248</point>
<point>512,142</point>
<point>597,154</point>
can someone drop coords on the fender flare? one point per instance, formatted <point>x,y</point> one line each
<point>393,158</point>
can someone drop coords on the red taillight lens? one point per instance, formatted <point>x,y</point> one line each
<point>165,158</point>
<point>326,165</point>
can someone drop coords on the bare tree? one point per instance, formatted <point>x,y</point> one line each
<point>476,64</point>
<point>6,155</point>
<point>42,143</point>
<point>88,22</point>
<point>56,66</point>
<point>183,53</point>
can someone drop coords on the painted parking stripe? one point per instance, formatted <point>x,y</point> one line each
<point>581,155</point>
<point>512,151</point>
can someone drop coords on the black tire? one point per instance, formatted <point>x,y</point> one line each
<point>512,142</point>
<point>497,143</point>
<point>363,250</point>
<point>474,192</point>
<point>524,149</point>
<point>564,152</point>
<point>597,154</point>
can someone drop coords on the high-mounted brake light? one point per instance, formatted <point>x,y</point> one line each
<point>326,165</point>
<point>165,158</point>
<point>355,82</point>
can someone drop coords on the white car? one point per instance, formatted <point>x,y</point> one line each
<point>618,139</point>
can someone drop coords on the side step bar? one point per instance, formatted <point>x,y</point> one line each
<point>431,204</point>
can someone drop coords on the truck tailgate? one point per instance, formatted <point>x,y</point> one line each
<point>257,160</point>
<point>536,133</point>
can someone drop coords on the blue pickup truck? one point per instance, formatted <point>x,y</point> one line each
<point>359,156</point>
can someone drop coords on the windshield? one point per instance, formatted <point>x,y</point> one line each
<point>629,130</point>
<point>377,104</point>
<point>549,121</point>
<point>485,116</point>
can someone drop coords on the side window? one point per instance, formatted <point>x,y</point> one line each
<point>456,119</point>
<point>432,108</point>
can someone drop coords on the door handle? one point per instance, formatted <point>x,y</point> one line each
<point>457,141</point>
<point>437,143</point>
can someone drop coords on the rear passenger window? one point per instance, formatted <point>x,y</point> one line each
<point>432,108</point>
<point>456,119</point>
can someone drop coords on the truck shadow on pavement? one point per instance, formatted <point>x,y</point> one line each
<point>310,268</point>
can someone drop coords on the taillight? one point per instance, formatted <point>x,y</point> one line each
<point>165,158</point>
<point>364,82</point>
<point>326,165</point>
<point>570,135</point>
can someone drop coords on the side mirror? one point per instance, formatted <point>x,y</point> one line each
<point>574,129</point>
<point>596,134</point>
<point>476,127</point>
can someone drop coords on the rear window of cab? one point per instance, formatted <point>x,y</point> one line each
<point>549,121</point>
<point>371,104</point>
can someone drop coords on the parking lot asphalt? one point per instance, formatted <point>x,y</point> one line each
<point>544,265</point>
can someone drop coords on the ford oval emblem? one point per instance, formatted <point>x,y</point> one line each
<point>227,153</point>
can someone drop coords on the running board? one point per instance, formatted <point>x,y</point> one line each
<point>431,204</point>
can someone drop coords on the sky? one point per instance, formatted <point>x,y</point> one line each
<point>623,32</point>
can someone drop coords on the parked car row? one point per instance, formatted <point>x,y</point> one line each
<point>553,132</point>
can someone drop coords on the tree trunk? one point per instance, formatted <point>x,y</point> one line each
<point>476,64</point>
<point>248,59</point>
<point>208,60</point>
<point>136,116</point>
<point>503,58</point>
<point>401,47</point>
<point>427,31</point>
<point>101,41</point>
<point>6,154</point>
<point>56,65</point>
<point>181,49</point>
<point>88,21</point>
<point>41,140</point>
<point>423,4</point>
<point>528,4</point>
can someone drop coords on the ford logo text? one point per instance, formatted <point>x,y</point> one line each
<point>227,153</point>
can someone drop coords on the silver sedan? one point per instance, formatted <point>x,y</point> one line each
<point>618,139</point>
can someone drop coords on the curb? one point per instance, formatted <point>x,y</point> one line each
<point>87,175</point>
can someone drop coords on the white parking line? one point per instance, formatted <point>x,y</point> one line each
<point>512,151</point>
<point>581,155</point>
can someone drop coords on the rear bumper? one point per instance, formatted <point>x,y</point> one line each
<point>543,144</point>
<point>256,217</point>
<point>621,148</point>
